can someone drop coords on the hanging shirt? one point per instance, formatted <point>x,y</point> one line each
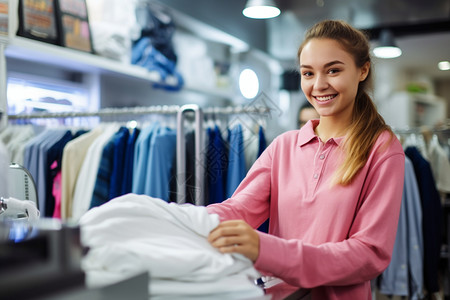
<point>332,239</point>
<point>135,233</point>
<point>15,138</point>
<point>86,179</point>
<point>31,156</point>
<point>251,147</point>
<point>262,141</point>
<point>440,166</point>
<point>236,161</point>
<point>73,156</point>
<point>35,160</point>
<point>120,140</point>
<point>432,218</point>
<point>140,161</point>
<point>56,189</point>
<point>100,194</point>
<point>404,275</point>
<point>161,154</point>
<point>217,162</point>
<point>54,153</point>
<point>128,164</point>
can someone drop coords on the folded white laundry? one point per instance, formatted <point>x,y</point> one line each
<point>135,233</point>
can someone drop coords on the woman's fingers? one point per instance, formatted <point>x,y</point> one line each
<point>235,236</point>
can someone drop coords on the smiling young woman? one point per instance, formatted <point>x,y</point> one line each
<point>332,190</point>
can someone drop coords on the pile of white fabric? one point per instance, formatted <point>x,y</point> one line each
<point>135,233</point>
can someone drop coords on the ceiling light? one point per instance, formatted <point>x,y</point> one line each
<point>444,65</point>
<point>387,47</point>
<point>261,9</point>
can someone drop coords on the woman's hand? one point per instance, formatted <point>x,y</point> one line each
<point>236,236</point>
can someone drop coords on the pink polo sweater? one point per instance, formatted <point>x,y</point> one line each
<point>331,239</point>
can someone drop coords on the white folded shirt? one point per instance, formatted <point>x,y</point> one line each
<point>135,233</point>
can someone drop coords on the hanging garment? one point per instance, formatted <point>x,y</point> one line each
<point>100,194</point>
<point>110,168</point>
<point>153,161</point>
<point>55,170</point>
<point>54,153</point>
<point>262,141</point>
<point>262,146</point>
<point>140,161</point>
<point>236,161</point>
<point>160,163</point>
<point>404,275</point>
<point>217,162</point>
<point>251,147</point>
<point>43,171</point>
<point>136,233</point>
<point>128,164</point>
<point>73,156</point>
<point>15,138</point>
<point>35,161</point>
<point>84,187</point>
<point>31,151</point>
<point>120,141</point>
<point>440,166</point>
<point>432,218</point>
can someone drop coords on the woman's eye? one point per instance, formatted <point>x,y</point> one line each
<point>333,71</point>
<point>307,74</point>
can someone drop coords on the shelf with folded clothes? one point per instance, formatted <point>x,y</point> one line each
<point>35,51</point>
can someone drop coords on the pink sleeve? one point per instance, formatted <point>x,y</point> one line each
<point>250,201</point>
<point>362,256</point>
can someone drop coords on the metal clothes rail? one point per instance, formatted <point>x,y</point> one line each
<point>181,113</point>
<point>157,109</point>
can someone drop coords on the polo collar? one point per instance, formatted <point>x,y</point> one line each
<point>306,134</point>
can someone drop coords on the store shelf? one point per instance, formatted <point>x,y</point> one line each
<point>34,51</point>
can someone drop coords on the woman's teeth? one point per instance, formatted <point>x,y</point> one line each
<point>325,98</point>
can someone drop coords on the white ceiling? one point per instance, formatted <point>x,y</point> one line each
<point>421,28</point>
<point>422,53</point>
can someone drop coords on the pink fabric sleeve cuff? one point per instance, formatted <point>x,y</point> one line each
<point>270,250</point>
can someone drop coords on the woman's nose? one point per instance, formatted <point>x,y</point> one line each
<point>320,83</point>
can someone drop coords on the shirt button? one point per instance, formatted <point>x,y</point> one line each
<point>322,156</point>
<point>316,176</point>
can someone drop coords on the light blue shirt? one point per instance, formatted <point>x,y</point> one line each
<point>236,161</point>
<point>404,275</point>
<point>35,160</point>
<point>140,160</point>
<point>160,160</point>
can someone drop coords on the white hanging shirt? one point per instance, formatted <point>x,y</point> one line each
<point>135,233</point>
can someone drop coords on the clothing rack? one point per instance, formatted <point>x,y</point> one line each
<point>181,113</point>
<point>157,109</point>
<point>142,110</point>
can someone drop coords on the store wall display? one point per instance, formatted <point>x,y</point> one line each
<point>74,25</point>
<point>37,20</point>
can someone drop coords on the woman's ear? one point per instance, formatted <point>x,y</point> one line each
<point>364,71</point>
